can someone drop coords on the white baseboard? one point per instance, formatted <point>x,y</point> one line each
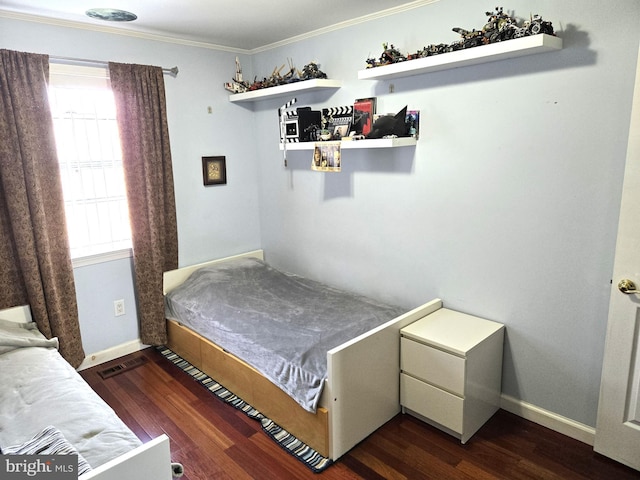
<point>560,424</point>
<point>553,421</point>
<point>111,354</point>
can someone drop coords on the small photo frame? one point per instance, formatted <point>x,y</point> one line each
<point>214,170</point>
<point>326,157</point>
<point>341,131</point>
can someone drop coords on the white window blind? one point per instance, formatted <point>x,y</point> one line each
<point>90,156</point>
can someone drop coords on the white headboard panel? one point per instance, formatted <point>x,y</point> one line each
<point>21,314</point>
<point>173,278</point>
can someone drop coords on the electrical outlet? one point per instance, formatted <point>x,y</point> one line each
<point>118,307</point>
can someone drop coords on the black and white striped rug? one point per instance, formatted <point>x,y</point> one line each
<point>307,455</point>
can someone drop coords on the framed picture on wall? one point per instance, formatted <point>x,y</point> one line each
<point>214,170</point>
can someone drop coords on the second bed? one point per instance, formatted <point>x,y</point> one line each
<point>321,362</point>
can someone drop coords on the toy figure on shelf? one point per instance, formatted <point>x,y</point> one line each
<point>292,75</point>
<point>429,50</point>
<point>501,26</point>
<point>310,71</point>
<point>473,38</point>
<point>390,54</point>
<point>237,85</point>
<point>498,27</point>
<point>276,78</point>
<point>536,25</point>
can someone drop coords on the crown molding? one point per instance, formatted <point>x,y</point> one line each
<point>345,24</point>
<point>211,46</point>
<point>117,31</point>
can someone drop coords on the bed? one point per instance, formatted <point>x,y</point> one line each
<point>45,403</point>
<point>359,388</point>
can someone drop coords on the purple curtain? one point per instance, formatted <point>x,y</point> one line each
<point>35,263</point>
<point>142,122</point>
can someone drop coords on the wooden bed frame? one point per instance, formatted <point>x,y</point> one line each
<point>361,393</point>
<point>150,460</point>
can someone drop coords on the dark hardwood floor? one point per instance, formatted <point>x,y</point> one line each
<point>215,441</point>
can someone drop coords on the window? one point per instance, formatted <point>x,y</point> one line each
<point>90,156</point>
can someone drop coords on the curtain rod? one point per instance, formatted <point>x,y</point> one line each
<point>96,63</point>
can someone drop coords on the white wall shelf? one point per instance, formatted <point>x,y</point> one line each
<point>282,90</point>
<point>353,144</point>
<point>517,47</point>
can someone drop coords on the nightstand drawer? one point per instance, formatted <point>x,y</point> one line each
<point>432,365</point>
<point>431,402</point>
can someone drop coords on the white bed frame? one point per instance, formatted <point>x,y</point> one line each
<point>362,391</point>
<point>151,460</point>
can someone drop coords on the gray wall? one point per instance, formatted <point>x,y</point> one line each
<point>507,207</point>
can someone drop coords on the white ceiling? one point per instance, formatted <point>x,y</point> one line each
<point>233,24</point>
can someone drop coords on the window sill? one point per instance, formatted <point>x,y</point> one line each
<point>101,258</point>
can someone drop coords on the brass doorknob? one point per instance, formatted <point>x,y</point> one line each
<point>627,286</point>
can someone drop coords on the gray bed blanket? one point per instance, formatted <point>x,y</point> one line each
<point>279,323</point>
<point>38,388</point>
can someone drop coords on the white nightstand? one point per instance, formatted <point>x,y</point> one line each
<point>451,371</point>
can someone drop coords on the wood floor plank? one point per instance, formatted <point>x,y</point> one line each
<point>213,440</point>
<point>475,472</point>
<point>379,464</point>
<point>411,460</point>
